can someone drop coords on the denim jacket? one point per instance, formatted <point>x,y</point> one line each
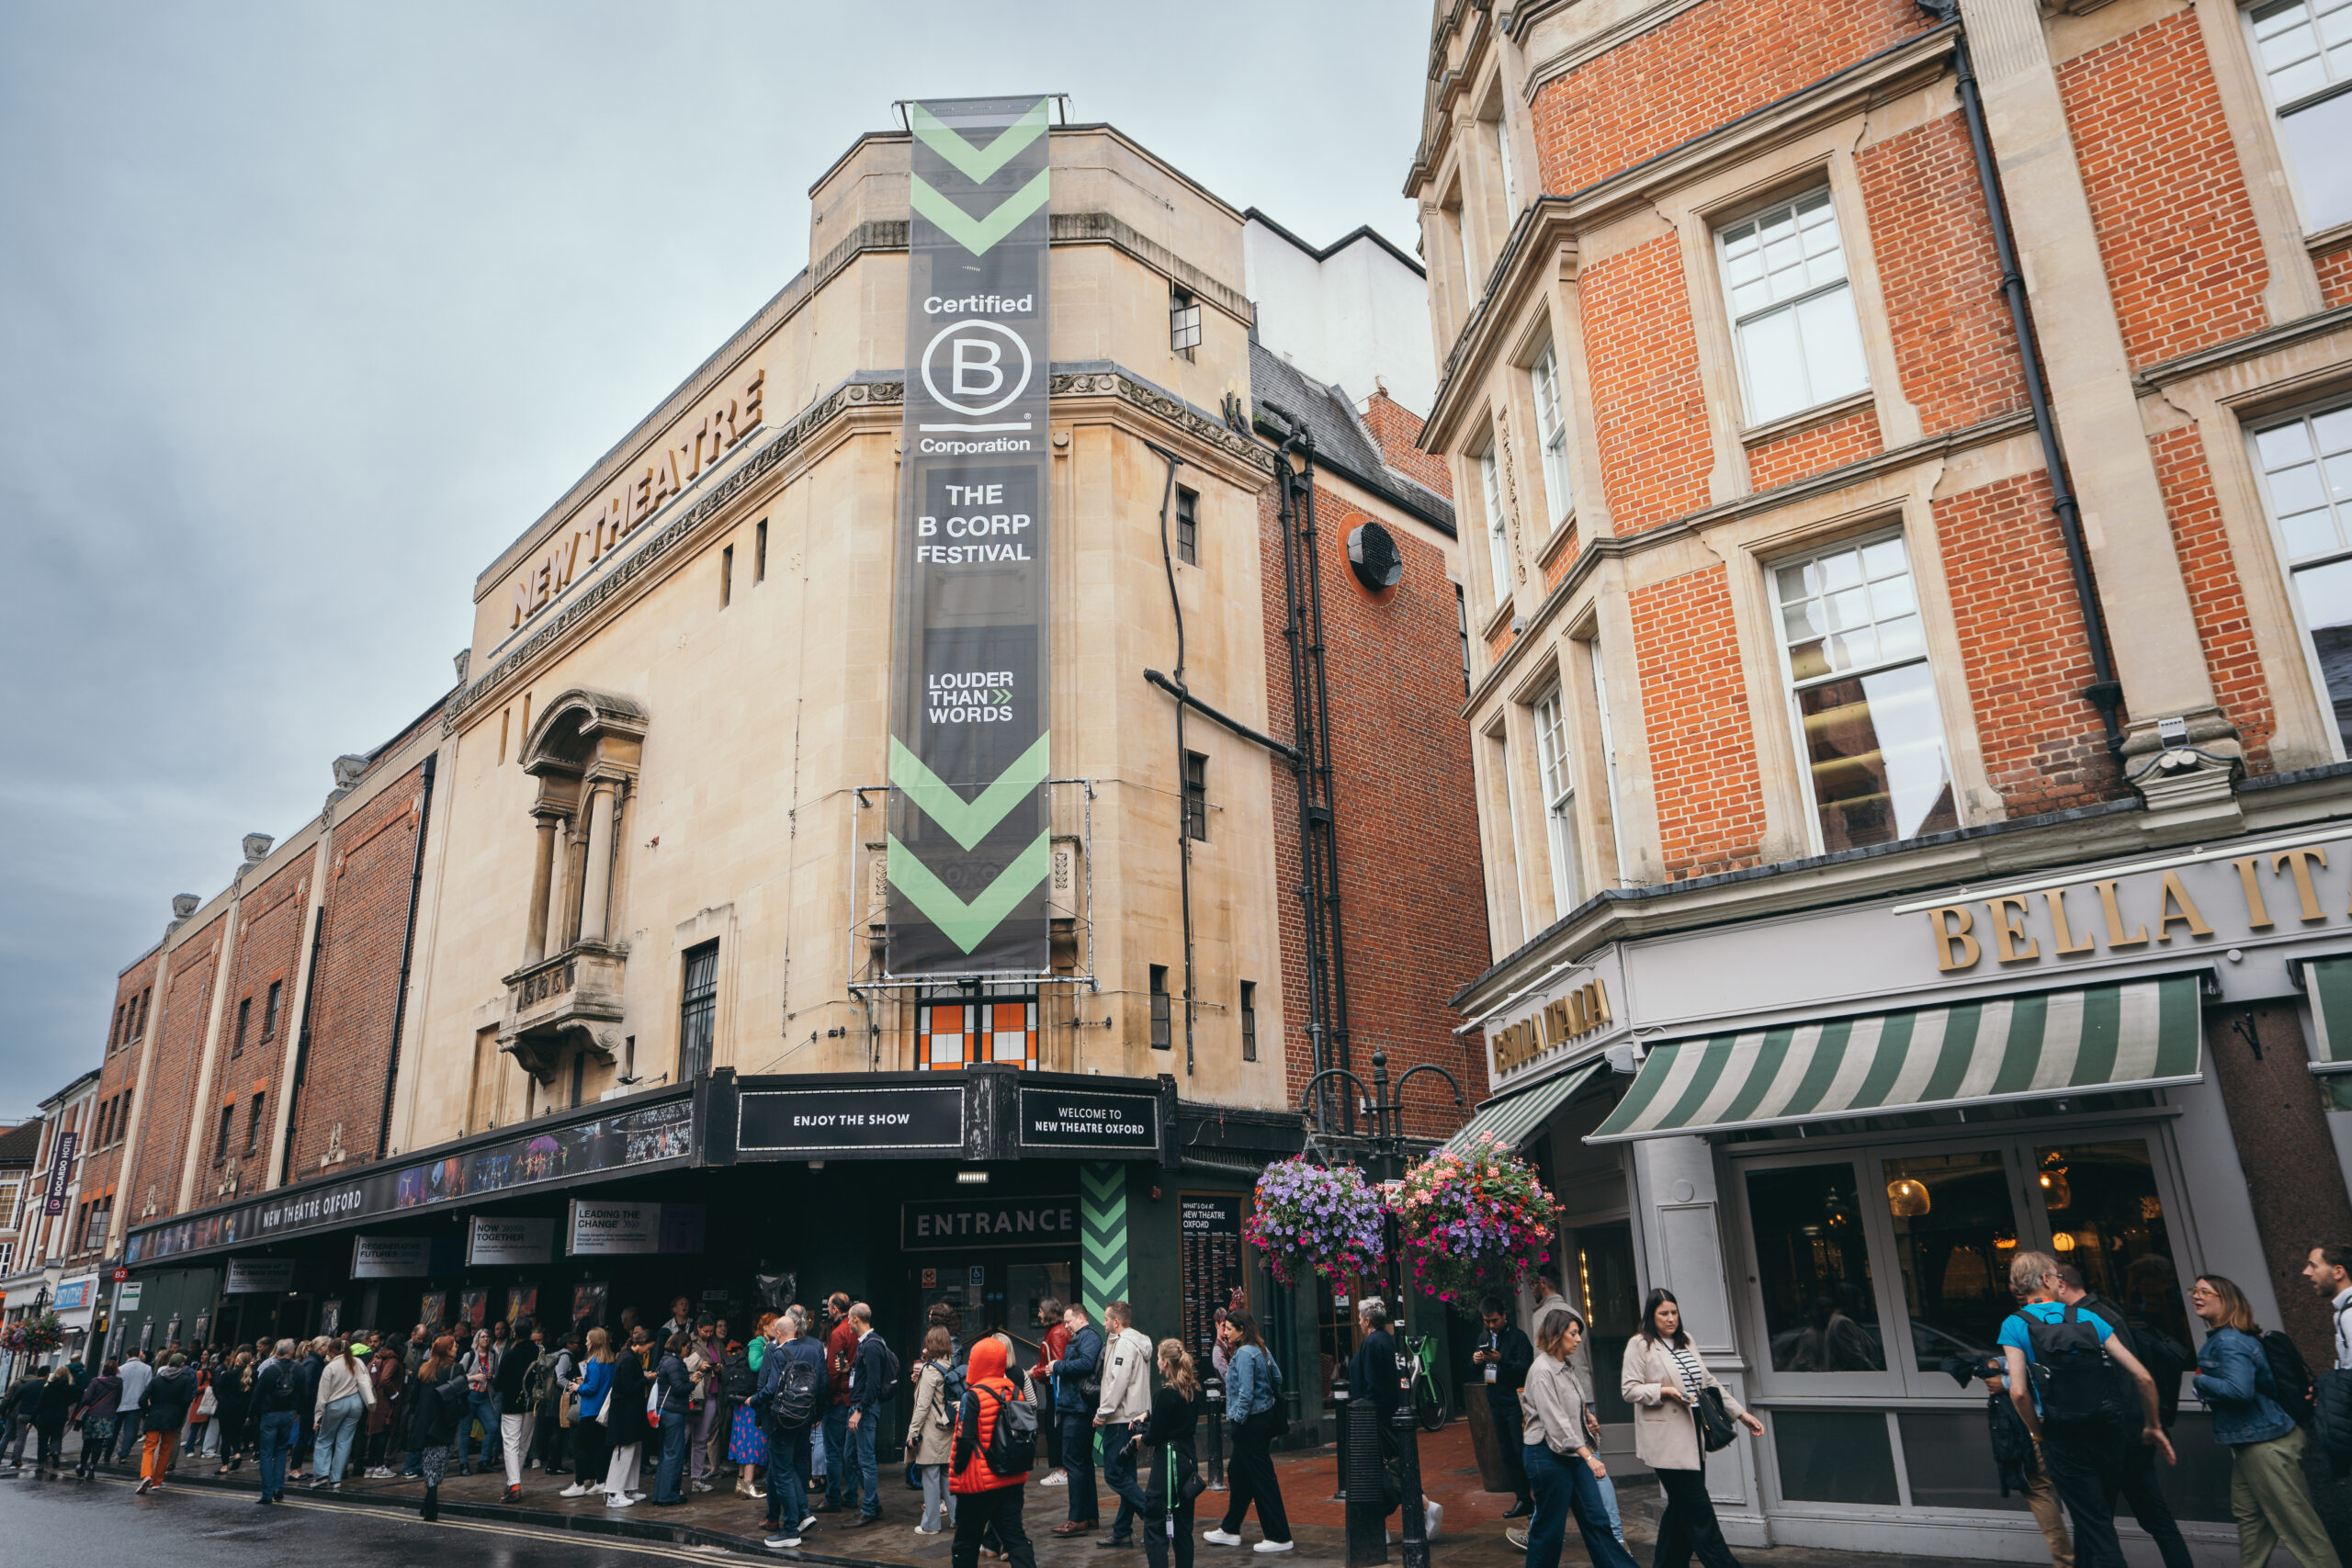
<point>1251,1384</point>
<point>2233,1378</point>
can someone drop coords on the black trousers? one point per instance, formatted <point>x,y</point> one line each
<point>594,1440</point>
<point>1689,1529</point>
<point>1250,1475</point>
<point>2136,1482</point>
<point>1153,1528</point>
<point>2081,1459</point>
<point>995,1514</point>
<point>1510,1427</point>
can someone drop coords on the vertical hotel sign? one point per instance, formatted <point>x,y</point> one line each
<point>969,748</point>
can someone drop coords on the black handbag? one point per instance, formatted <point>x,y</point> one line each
<point>1715,1429</point>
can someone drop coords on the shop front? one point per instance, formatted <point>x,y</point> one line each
<point>1828,1134</point>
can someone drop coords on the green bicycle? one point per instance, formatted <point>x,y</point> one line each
<point>1431,1408</point>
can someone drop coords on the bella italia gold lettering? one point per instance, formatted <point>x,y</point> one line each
<point>1579,1012</point>
<point>714,430</point>
<point>2010,932</point>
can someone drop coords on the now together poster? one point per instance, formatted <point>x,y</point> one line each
<point>970,752</point>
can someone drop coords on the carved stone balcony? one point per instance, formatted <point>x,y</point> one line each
<point>572,1000</point>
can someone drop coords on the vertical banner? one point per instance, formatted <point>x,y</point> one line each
<point>969,748</point>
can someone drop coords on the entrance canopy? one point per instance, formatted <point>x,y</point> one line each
<point>2142,1034</point>
<point>1514,1119</point>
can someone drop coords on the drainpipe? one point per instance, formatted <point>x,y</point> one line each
<point>2105,692</point>
<point>1183,799</point>
<point>408,950</point>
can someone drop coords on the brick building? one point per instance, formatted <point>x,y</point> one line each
<point>1908,714</point>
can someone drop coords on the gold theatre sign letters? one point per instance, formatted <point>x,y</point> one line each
<point>694,444</point>
<point>2069,920</point>
<point>1571,1017</point>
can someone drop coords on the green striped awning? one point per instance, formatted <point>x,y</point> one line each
<point>2329,983</point>
<point>2137,1036</point>
<point>1516,1118</point>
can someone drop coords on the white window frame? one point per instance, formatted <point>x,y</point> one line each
<point>1502,162</point>
<point>1794,690</point>
<point>1726,236</point>
<point>1471,279</point>
<point>2294,565</point>
<point>1552,432</point>
<point>1607,752</point>
<point>1491,489</point>
<point>2338,84</point>
<point>1556,784</point>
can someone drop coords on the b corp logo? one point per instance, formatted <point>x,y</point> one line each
<point>976,366</point>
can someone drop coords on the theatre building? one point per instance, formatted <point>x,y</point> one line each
<point>838,868</point>
<point>1910,730</point>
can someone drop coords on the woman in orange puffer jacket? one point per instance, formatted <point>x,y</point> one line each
<point>989,1504</point>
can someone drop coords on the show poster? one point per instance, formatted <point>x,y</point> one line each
<point>970,752</point>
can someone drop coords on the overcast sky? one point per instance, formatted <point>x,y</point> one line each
<point>306,310</point>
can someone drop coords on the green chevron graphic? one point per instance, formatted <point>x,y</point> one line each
<point>968,822</point>
<point>976,164</point>
<point>965,924</point>
<point>978,234</point>
<point>1102,1227</point>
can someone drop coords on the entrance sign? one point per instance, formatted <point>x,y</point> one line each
<point>258,1276</point>
<point>599,1230</point>
<point>968,845</point>
<point>962,1225</point>
<point>1086,1121</point>
<point>497,1241</point>
<point>859,1121</point>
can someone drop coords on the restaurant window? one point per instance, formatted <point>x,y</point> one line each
<point>244,1017</point>
<point>2306,465</point>
<point>955,1032</point>
<point>1861,696</point>
<point>2107,1218</point>
<point>1812,1265</point>
<point>1188,526</point>
<point>1559,799</point>
<point>1162,1029</point>
<point>269,1012</point>
<point>1954,1234</point>
<point>1552,429</point>
<point>2305,47</point>
<point>1196,796</point>
<point>1799,342</point>
<point>697,1011</point>
<point>1249,1020</point>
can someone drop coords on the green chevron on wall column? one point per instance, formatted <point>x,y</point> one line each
<point>1103,1233</point>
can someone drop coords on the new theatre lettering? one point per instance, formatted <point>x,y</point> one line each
<point>960,1223</point>
<point>694,444</point>
<point>2244,897</point>
<point>1059,1119</point>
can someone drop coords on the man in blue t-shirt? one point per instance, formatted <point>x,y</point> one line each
<point>2079,1455</point>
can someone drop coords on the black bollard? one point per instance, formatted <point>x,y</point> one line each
<point>1213,1391</point>
<point>1364,1481</point>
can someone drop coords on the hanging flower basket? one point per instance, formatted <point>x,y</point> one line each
<point>38,1335</point>
<point>1474,1220</point>
<point>1314,1218</point>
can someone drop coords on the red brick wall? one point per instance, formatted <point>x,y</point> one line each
<point>118,1077</point>
<point>1954,348</point>
<point>1413,907</point>
<point>269,952</point>
<point>1787,459</point>
<point>1712,63</point>
<point>2022,645</point>
<point>2175,226</point>
<point>2335,275</point>
<point>1397,427</point>
<point>1649,410</point>
<point>358,983</point>
<point>2223,626</point>
<point>181,1013</point>
<point>1694,706</point>
<point>1563,556</point>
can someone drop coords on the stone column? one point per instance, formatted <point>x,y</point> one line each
<point>535,939</point>
<point>597,882</point>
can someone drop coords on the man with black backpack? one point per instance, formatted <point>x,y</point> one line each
<point>791,1398</point>
<point>2135,1462</point>
<point>2065,1391</point>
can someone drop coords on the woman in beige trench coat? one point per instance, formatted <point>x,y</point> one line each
<point>1663,1376</point>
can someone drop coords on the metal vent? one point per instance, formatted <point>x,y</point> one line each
<point>1374,556</point>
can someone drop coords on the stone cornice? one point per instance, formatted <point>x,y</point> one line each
<point>1447,84</point>
<point>2319,323</point>
<point>1542,226</point>
<point>569,623</point>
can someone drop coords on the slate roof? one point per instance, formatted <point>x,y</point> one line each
<point>20,1145</point>
<point>1341,443</point>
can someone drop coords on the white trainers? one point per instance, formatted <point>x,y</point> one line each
<point>620,1500</point>
<point>574,1490</point>
<point>1220,1537</point>
<point>1270,1546</point>
<point>779,1542</point>
<point>1055,1478</point>
<point>1517,1538</point>
<point>919,1531</point>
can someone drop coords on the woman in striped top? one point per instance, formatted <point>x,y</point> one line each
<point>1663,1376</point>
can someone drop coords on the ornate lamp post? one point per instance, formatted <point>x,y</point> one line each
<point>1386,1147</point>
